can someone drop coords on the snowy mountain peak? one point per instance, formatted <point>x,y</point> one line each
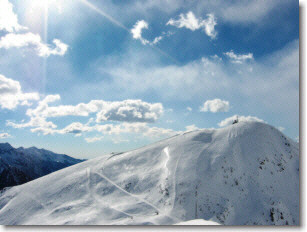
<point>247,173</point>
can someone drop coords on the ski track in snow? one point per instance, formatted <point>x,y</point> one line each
<point>34,199</point>
<point>166,172</point>
<point>166,152</point>
<point>134,196</point>
<point>174,182</point>
<point>95,197</point>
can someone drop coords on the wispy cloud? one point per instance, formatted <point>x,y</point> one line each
<point>157,39</point>
<point>190,22</point>
<point>93,139</point>
<point>119,140</point>
<point>273,79</point>
<point>245,12</point>
<point>239,58</point>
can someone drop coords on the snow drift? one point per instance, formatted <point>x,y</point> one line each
<point>244,174</point>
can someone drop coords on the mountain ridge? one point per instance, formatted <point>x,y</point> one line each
<point>20,165</point>
<point>244,174</point>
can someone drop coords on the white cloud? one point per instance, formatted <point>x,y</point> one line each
<point>127,111</point>
<point>5,135</point>
<point>230,120</point>
<point>138,128</point>
<point>124,111</point>
<point>189,109</point>
<point>75,128</point>
<point>48,128</point>
<point>30,40</point>
<point>239,58</point>
<point>215,105</point>
<point>130,111</point>
<point>11,94</point>
<point>190,21</point>
<point>9,23</point>
<point>43,130</point>
<point>44,110</point>
<point>8,86</point>
<point>137,29</point>
<point>37,122</point>
<point>8,19</point>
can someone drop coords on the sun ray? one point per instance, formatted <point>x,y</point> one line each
<point>46,12</point>
<point>99,11</point>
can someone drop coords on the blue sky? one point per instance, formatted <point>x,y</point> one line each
<point>87,78</point>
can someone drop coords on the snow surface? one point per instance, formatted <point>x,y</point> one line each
<point>244,174</point>
<point>197,222</point>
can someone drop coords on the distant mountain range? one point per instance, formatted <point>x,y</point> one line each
<point>18,166</point>
<point>244,174</point>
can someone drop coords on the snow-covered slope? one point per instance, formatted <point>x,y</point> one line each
<point>18,166</point>
<point>197,222</point>
<point>247,173</point>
